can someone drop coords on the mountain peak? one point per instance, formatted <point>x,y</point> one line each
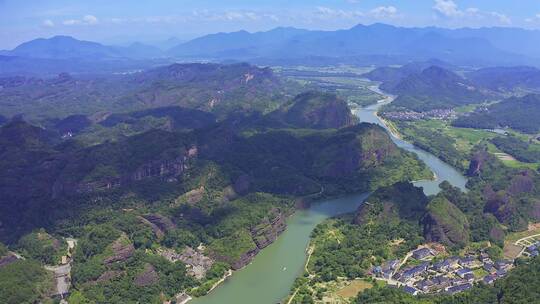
<point>63,38</point>
<point>284,29</point>
<point>437,72</point>
<point>376,26</point>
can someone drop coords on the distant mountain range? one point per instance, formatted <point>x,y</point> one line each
<point>378,44</point>
<point>66,47</point>
<point>485,46</point>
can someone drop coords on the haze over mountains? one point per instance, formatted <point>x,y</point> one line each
<point>377,44</point>
<point>149,172</point>
<point>466,46</point>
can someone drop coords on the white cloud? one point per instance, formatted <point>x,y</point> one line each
<point>252,16</point>
<point>85,20</point>
<point>117,20</point>
<point>501,17</point>
<point>472,11</point>
<point>48,23</point>
<point>90,19</point>
<point>230,15</point>
<point>272,17</point>
<point>536,18</point>
<point>71,22</point>
<point>330,13</point>
<point>382,12</point>
<point>447,8</point>
<point>234,16</point>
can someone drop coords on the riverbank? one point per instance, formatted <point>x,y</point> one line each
<point>270,275</point>
<point>389,126</point>
<point>225,276</point>
<point>309,252</point>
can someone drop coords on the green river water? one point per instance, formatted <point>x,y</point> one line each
<point>268,279</point>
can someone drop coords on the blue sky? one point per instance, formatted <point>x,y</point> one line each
<point>123,21</point>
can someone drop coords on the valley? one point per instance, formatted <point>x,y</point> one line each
<point>374,164</point>
<point>309,286</point>
<point>224,187</point>
<point>196,168</point>
<point>273,287</point>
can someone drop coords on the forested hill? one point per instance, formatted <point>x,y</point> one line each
<point>391,76</point>
<point>504,79</point>
<point>274,157</point>
<point>499,201</point>
<point>316,110</point>
<point>431,88</point>
<point>216,88</point>
<point>520,113</point>
<point>228,185</point>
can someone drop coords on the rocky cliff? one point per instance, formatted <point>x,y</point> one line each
<point>167,170</point>
<point>105,167</point>
<point>263,235</point>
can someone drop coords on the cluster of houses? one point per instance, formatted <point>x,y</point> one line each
<point>441,114</point>
<point>450,275</point>
<point>533,250</point>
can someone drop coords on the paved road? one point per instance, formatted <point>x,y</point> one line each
<point>524,242</point>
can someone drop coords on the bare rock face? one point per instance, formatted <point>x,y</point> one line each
<point>477,162</point>
<point>8,259</point>
<point>155,228</point>
<point>194,196</point>
<point>162,222</point>
<point>263,235</point>
<point>165,169</point>
<point>147,277</point>
<point>267,232</point>
<point>245,259</point>
<point>161,168</point>
<point>121,251</point>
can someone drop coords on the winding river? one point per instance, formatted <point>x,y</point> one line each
<point>268,279</point>
<point>442,170</point>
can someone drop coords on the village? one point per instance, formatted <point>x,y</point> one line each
<point>440,114</point>
<point>426,270</point>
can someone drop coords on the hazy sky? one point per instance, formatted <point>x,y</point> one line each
<point>122,21</point>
